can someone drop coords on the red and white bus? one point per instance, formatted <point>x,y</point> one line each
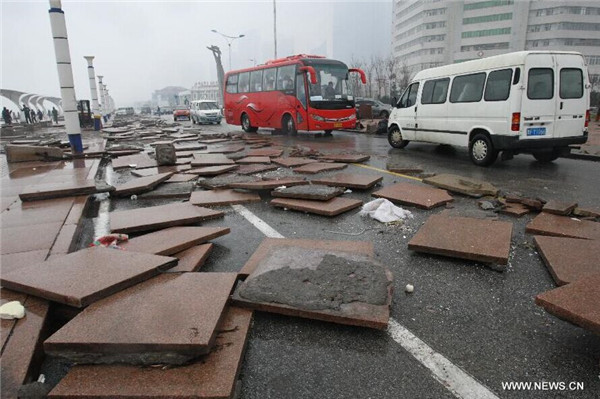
<point>300,92</point>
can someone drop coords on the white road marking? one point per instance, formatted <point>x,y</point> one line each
<point>257,222</point>
<point>452,377</point>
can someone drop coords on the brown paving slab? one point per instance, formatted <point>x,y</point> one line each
<point>515,209</point>
<point>159,217</point>
<point>76,212</point>
<point>265,152</point>
<point>349,180</point>
<point>250,160</point>
<point>332,207</point>
<point>175,319</point>
<point>173,240</point>
<point>64,240</point>
<point>318,167</point>
<point>462,185</point>
<point>414,195</point>
<point>140,161</point>
<point>269,184</point>
<point>465,238</point>
<point>222,197</point>
<point>161,169</point>
<point>587,212</point>
<point>290,162</point>
<point>548,224</point>
<point>337,286</point>
<point>22,355</point>
<point>28,238</point>
<point>183,161</point>
<point>15,261</point>
<point>36,212</point>
<point>181,190</point>
<point>192,259</point>
<point>255,168</point>
<point>211,160</point>
<point>576,302</point>
<point>23,153</point>
<point>180,178</point>
<point>212,141</point>
<point>214,376</point>
<point>6,325</point>
<point>58,190</point>
<point>212,170</point>
<point>329,246</point>
<point>140,185</point>
<point>85,276</point>
<point>559,207</point>
<point>346,158</point>
<point>228,149</point>
<point>315,192</point>
<point>569,259</point>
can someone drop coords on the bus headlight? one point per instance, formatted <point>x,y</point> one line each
<point>317,118</point>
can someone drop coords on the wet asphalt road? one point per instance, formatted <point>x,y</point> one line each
<point>482,320</point>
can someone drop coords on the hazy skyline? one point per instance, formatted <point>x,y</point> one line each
<point>141,46</point>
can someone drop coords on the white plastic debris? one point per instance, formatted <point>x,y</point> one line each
<point>409,288</point>
<point>383,210</point>
<point>12,310</point>
<point>133,197</point>
<point>41,378</point>
<point>348,191</point>
<point>280,188</point>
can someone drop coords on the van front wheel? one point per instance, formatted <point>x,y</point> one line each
<point>395,137</point>
<point>482,150</point>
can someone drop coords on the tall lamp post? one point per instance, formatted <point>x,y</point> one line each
<point>229,40</point>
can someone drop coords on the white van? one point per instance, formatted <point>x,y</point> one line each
<point>528,101</point>
<point>205,111</point>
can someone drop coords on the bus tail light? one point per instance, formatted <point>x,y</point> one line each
<point>516,122</point>
<point>587,118</point>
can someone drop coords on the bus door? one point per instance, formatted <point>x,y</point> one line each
<point>301,103</point>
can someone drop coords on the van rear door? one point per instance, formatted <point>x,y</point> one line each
<point>539,97</point>
<point>571,104</point>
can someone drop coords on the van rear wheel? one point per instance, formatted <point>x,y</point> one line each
<point>481,150</point>
<point>395,137</point>
<point>546,155</point>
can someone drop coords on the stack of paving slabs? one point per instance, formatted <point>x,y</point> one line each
<point>336,281</point>
<point>474,239</point>
<point>414,195</point>
<point>462,185</point>
<point>314,198</point>
<point>140,185</point>
<point>349,180</point>
<point>346,158</point>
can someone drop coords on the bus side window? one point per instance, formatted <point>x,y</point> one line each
<point>540,84</point>
<point>269,79</point>
<point>256,80</point>
<point>284,77</point>
<point>232,81</point>
<point>244,82</point>
<point>498,85</point>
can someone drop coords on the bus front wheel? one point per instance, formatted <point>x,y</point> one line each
<point>246,124</point>
<point>288,125</point>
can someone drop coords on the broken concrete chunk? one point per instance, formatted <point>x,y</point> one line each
<point>24,153</point>
<point>515,209</point>
<point>226,181</point>
<point>559,207</point>
<point>462,185</point>
<point>311,191</point>
<point>12,310</point>
<point>165,154</point>
<point>532,203</point>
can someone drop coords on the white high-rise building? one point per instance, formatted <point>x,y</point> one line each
<point>430,33</point>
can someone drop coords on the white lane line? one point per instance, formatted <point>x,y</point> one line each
<point>452,377</point>
<point>257,222</point>
<point>456,380</point>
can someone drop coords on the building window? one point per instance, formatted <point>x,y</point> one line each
<point>487,18</point>
<point>486,32</point>
<point>486,4</point>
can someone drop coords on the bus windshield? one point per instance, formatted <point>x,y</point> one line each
<point>331,89</point>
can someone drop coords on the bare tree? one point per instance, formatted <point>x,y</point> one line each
<point>355,83</point>
<point>391,66</point>
<point>403,77</point>
<point>369,71</point>
<point>216,51</point>
<point>380,75</point>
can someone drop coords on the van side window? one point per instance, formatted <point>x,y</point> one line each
<point>269,76</point>
<point>467,88</point>
<point>498,85</point>
<point>409,97</point>
<point>435,91</point>
<point>232,81</point>
<point>540,84</point>
<point>256,80</point>
<point>244,82</point>
<point>571,83</point>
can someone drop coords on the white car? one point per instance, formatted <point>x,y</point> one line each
<point>205,111</point>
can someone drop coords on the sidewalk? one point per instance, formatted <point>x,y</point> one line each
<point>591,149</point>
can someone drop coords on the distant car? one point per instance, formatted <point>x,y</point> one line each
<point>181,112</point>
<point>380,109</point>
<point>206,111</point>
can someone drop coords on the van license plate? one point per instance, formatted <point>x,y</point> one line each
<point>337,124</point>
<point>536,131</point>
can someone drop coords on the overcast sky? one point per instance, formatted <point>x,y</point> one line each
<point>141,46</point>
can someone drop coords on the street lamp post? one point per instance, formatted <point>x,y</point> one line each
<point>229,40</point>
